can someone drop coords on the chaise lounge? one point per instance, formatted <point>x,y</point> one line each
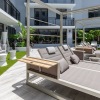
<point>83,76</point>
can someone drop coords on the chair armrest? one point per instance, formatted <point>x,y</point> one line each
<point>79,53</point>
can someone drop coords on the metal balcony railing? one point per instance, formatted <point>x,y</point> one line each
<point>51,21</point>
<point>9,8</point>
<point>58,1</point>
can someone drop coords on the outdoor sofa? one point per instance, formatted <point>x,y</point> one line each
<point>82,76</point>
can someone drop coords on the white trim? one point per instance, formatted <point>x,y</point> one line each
<point>7,19</point>
<point>52,27</point>
<point>54,5</point>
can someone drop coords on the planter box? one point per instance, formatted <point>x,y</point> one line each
<point>21,48</point>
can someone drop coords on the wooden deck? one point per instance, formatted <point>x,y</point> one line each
<point>13,87</point>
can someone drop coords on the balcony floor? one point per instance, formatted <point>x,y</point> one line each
<point>13,87</point>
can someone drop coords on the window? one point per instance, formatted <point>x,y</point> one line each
<point>73,36</point>
<point>11,9</point>
<point>45,1</point>
<point>11,30</point>
<point>41,14</point>
<point>94,13</point>
<point>49,36</point>
<point>1,27</point>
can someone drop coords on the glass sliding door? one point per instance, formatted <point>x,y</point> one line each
<point>41,14</point>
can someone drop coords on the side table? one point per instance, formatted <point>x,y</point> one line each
<point>12,54</point>
<point>3,59</point>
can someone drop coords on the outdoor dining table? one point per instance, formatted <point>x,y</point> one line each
<point>12,54</point>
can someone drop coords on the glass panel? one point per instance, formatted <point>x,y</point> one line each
<point>49,36</point>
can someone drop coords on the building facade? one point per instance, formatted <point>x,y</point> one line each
<point>9,17</point>
<point>49,32</point>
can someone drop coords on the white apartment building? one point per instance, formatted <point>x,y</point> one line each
<point>41,13</point>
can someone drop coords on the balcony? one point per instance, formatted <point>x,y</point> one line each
<point>52,20</point>
<point>9,8</point>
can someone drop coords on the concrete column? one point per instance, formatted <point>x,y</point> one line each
<point>4,38</point>
<point>61,29</point>
<point>69,37</point>
<point>84,34</point>
<point>28,27</point>
<point>5,28</point>
<point>71,14</point>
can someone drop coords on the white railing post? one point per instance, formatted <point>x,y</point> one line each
<point>61,29</point>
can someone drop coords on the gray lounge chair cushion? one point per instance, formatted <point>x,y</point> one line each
<point>65,47</point>
<point>75,59</point>
<point>63,65</point>
<point>51,50</point>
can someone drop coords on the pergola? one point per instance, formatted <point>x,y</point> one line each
<point>55,11</point>
<point>87,22</point>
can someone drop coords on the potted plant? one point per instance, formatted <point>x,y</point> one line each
<point>21,46</point>
<point>21,40</point>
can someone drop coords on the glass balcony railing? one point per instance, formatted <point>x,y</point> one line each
<point>52,21</point>
<point>9,8</point>
<point>66,22</point>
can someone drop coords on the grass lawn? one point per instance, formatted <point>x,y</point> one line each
<point>11,62</point>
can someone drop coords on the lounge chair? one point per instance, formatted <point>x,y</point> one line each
<point>94,44</point>
<point>82,63</point>
<point>89,50</point>
<point>84,77</point>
